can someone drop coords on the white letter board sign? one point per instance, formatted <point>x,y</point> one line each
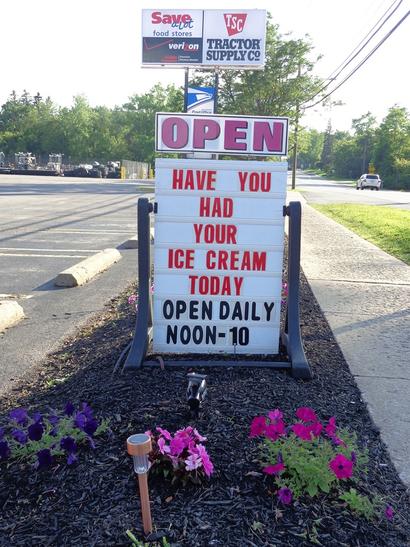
<point>218,254</point>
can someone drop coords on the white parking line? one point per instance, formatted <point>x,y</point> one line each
<point>48,249</point>
<point>44,256</point>
<point>110,232</point>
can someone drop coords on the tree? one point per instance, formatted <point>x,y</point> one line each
<point>364,129</point>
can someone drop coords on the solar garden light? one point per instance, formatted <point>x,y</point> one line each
<point>139,446</point>
<point>196,391</point>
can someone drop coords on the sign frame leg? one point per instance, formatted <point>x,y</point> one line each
<point>143,327</point>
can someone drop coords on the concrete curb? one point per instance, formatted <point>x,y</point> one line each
<point>87,269</point>
<point>132,243</point>
<point>10,314</point>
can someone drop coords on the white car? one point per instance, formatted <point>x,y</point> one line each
<point>367,180</point>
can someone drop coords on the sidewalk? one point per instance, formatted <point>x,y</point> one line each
<point>365,296</point>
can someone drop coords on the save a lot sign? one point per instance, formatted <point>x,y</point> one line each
<point>219,232</point>
<point>225,38</point>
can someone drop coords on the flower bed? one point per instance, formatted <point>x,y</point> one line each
<point>95,500</point>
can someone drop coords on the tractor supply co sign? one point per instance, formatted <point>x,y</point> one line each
<point>219,235</point>
<point>223,38</point>
<point>249,135</point>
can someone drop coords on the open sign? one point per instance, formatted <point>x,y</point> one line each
<point>247,135</point>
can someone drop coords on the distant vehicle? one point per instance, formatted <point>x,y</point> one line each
<point>369,180</point>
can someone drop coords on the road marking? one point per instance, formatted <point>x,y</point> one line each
<point>48,249</point>
<point>110,232</point>
<point>44,256</point>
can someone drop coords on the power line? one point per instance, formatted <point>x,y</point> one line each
<point>350,58</point>
<point>361,62</point>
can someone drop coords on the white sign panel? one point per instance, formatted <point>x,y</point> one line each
<point>192,37</point>
<point>234,37</point>
<point>219,231</point>
<point>253,135</point>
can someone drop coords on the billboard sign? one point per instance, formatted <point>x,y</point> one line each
<point>201,100</point>
<point>225,38</point>
<point>219,235</point>
<point>172,37</point>
<point>234,38</point>
<point>245,135</point>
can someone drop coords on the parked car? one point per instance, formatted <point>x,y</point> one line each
<point>369,181</point>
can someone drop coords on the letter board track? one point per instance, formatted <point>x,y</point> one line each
<point>219,235</point>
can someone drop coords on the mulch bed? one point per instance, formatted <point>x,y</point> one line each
<point>95,501</point>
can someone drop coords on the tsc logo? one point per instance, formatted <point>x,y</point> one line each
<point>235,22</point>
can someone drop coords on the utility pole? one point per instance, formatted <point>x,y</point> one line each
<point>295,138</point>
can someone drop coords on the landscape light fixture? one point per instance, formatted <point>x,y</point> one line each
<point>139,446</point>
<point>196,392</point>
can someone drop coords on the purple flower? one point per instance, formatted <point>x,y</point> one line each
<point>206,460</point>
<point>341,466</point>
<point>353,457</point>
<point>193,462</point>
<point>68,444</point>
<point>19,435</point>
<point>258,426</point>
<point>35,431</point>
<point>44,458</point>
<point>53,419</point>
<point>91,426</point>
<point>37,417</point>
<point>389,512</point>
<point>306,414</point>
<point>285,495</point>
<point>69,409</point>
<point>72,458</point>
<point>80,420</point>
<point>87,410</point>
<point>4,450</point>
<point>165,433</point>
<point>19,415</point>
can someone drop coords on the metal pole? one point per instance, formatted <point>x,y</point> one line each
<point>186,85</point>
<point>216,85</point>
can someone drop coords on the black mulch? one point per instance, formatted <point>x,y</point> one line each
<point>94,502</point>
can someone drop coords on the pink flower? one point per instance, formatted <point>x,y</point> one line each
<point>165,433</point>
<point>185,435</point>
<point>302,431</point>
<point>306,414</point>
<point>132,299</point>
<point>274,431</point>
<point>389,512</point>
<point>315,429</point>
<point>331,427</point>
<point>163,447</point>
<point>198,436</point>
<point>193,462</point>
<point>176,446</point>
<point>258,426</point>
<point>206,460</point>
<point>285,495</point>
<point>341,466</point>
<point>275,415</point>
<point>274,469</point>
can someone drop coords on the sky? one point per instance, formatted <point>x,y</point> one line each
<point>62,48</point>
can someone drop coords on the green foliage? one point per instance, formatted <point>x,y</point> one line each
<point>359,504</point>
<point>386,227</point>
<point>137,543</point>
<point>387,147</point>
<point>307,462</point>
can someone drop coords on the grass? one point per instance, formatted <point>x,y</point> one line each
<point>386,227</point>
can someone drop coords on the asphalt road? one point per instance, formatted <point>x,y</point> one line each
<point>319,190</point>
<point>47,225</point>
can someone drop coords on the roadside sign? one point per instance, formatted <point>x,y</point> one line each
<point>192,37</point>
<point>245,135</point>
<point>219,234</point>
<point>201,100</point>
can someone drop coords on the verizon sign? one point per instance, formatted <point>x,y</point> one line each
<point>249,135</point>
<point>219,233</point>
<point>228,38</point>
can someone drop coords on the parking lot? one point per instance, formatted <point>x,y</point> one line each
<point>47,225</point>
